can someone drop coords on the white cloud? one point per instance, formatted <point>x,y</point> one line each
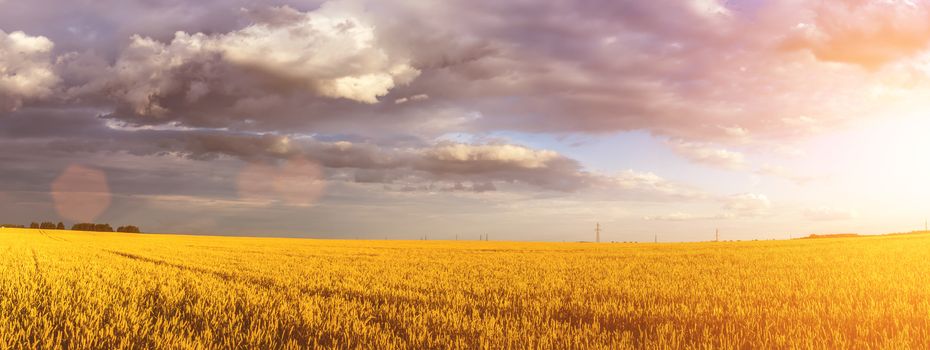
<point>333,48</point>
<point>746,205</point>
<point>829,214</point>
<point>782,172</point>
<point>708,154</point>
<point>802,123</point>
<point>175,201</point>
<point>419,97</point>
<point>735,131</point>
<point>651,185</point>
<point>743,205</point>
<point>709,8</point>
<point>679,216</point>
<point>500,153</point>
<point>25,69</point>
<point>332,51</point>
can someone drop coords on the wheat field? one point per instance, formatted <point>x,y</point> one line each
<point>84,290</point>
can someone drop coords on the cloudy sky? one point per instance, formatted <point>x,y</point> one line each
<point>524,120</point>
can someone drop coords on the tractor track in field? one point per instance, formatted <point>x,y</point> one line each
<point>39,276</point>
<point>53,237</point>
<point>35,262</point>
<point>269,283</point>
<point>226,276</point>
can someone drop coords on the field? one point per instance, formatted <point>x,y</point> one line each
<point>106,290</point>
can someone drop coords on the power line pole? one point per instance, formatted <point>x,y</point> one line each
<point>657,238</point>
<point>597,233</point>
<point>717,235</point>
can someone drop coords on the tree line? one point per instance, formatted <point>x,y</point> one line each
<point>84,226</point>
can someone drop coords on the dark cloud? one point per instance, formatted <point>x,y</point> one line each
<point>105,26</point>
<point>688,69</point>
<point>62,137</point>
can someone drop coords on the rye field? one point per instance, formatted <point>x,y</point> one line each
<point>77,290</point>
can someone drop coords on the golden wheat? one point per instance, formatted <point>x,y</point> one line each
<point>84,290</point>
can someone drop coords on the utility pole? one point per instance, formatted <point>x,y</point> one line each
<point>717,235</point>
<point>657,238</point>
<point>597,233</point>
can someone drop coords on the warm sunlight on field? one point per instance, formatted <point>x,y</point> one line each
<point>96,290</point>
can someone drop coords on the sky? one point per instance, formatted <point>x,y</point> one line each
<point>520,120</point>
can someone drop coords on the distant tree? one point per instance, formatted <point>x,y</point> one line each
<point>86,226</point>
<point>34,225</point>
<point>82,227</point>
<point>12,226</point>
<point>47,225</point>
<point>60,226</point>
<point>128,229</point>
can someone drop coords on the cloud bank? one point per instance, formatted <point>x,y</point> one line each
<point>368,93</point>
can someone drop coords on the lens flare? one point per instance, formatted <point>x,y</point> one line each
<point>81,193</point>
<point>297,182</point>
